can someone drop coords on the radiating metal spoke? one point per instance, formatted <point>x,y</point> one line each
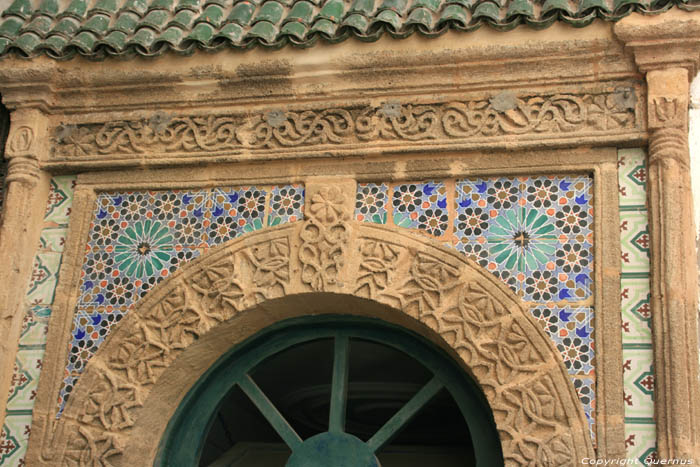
<point>339,388</point>
<point>404,415</point>
<point>270,412</point>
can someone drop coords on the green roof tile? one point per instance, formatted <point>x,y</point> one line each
<point>76,8</point>
<point>365,7</point>
<point>48,7</point>
<point>358,22</point>
<point>10,27</point>
<point>202,33</point>
<point>421,16</point>
<point>295,29</point>
<point>302,11</point>
<point>270,11</point>
<point>150,27</point>
<point>40,25</point>
<point>66,27</point>
<point>233,32</point>
<point>27,42</point>
<point>97,24</point>
<point>333,10</point>
<point>243,12</point>
<point>115,39</point>
<point>432,5</point>
<point>554,5</point>
<point>265,31</point>
<point>84,41</point>
<point>21,8</point>
<point>126,22</point>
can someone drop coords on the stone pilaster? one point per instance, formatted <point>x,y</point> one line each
<point>673,270</point>
<point>666,50</point>
<point>26,191</point>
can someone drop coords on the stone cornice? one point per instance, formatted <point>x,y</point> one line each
<point>671,40</point>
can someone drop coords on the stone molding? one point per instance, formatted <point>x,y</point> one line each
<point>517,115</point>
<point>535,406</point>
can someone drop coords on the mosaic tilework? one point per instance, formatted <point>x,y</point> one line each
<point>371,203</point>
<point>571,330</point>
<point>421,206</point>
<point>534,233</point>
<point>137,239</point>
<point>32,341</point>
<point>637,354</point>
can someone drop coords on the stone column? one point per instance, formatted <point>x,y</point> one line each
<point>666,48</point>
<point>26,192</point>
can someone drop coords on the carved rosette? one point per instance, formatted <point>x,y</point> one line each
<point>535,406</point>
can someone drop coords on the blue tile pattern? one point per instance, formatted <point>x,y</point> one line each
<point>137,239</point>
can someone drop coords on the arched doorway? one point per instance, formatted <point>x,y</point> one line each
<point>333,390</point>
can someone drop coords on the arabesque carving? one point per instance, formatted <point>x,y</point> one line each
<point>535,406</point>
<point>537,115</point>
<point>324,237</point>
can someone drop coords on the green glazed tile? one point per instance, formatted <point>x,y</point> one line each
<point>213,15</point>
<point>432,5</point>
<point>365,7</point>
<point>242,13</point>
<point>202,33</point>
<point>27,42</point>
<point>264,30</point>
<point>143,37</point>
<point>271,11</point>
<point>391,17</point>
<point>302,11</point>
<point>295,28</point>
<point>562,5</point>
<point>421,16</point>
<point>519,7</point>
<point>48,7</point>
<point>356,21</point>
<point>21,8</point>
<point>486,10</point>
<point>588,4</point>
<point>332,10</point>
<point>98,24</point>
<point>172,36</point>
<point>126,22</point>
<point>10,27</point>
<point>155,18</point>
<point>66,26</point>
<point>454,12</point>
<point>232,32</point>
<point>324,26</point>
<point>115,39</point>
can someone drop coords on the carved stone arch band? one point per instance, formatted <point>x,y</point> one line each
<point>157,351</point>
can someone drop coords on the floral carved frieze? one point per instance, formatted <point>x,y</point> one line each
<point>356,124</point>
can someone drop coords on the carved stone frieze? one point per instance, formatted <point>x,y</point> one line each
<point>554,114</point>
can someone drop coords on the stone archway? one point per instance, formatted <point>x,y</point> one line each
<point>537,413</point>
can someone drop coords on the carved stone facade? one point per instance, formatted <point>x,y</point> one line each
<point>384,114</point>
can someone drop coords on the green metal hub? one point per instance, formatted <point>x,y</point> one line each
<point>336,449</point>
